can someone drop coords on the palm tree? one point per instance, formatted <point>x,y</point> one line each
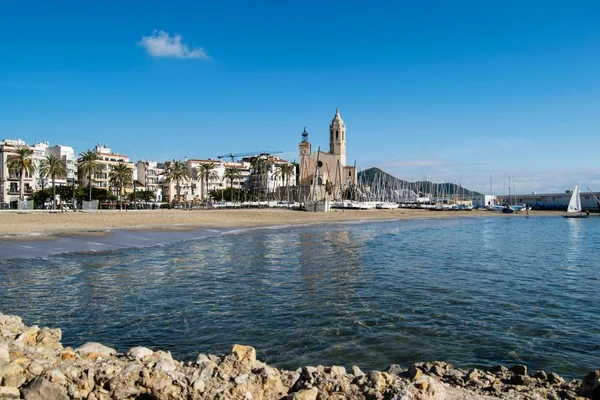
<point>232,174</point>
<point>89,163</point>
<point>21,162</point>
<point>119,177</point>
<point>175,171</point>
<point>259,168</point>
<point>54,167</point>
<point>206,172</point>
<point>286,171</point>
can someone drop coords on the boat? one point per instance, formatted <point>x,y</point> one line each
<point>574,210</point>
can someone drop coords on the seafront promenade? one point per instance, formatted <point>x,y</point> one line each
<point>35,365</point>
<point>44,223</point>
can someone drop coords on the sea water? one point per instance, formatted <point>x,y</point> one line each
<point>470,291</point>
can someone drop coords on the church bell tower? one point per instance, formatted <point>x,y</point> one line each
<point>337,137</point>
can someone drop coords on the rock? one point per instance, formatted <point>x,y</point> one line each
<point>337,371</point>
<point>4,355</point>
<point>57,376</point>
<point>10,320</point>
<point>9,392</point>
<point>519,369</point>
<point>165,365</point>
<point>93,348</point>
<point>13,375</point>
<point>35,368</point>
<point>29,336</point>
<point>591,384</point>
<point>68,355</point>
<point>541,375</point>
<point>357,371</point>
<point>393,369</point>
<point>139,352</point>
<point>522,380</point>
<point>414,373</point>
<point>498,369</point>
<point>41,389</point>
<point>555,379</point>
<point>49,338</point>
<point>306,394</point>
<point>244,353</point>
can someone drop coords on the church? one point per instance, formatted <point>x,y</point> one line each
<point>325,175</point>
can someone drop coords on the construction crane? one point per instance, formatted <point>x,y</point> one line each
<point>233,156</point>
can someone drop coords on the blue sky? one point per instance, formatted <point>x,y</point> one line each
<point>452,91</point>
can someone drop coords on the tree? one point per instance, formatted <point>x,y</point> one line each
<point>232,174</point>
<point>89,163</point>
<point>119,177</point>
<point>22,163</point>
<point>259,171</point>
<point>54,167</point>
<point>206,172</point>
<point>286,171</point>
<point>142,195</point>
<point>175,171</point>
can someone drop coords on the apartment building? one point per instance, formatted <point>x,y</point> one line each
<point>150,175</point>
<point>67,154</point>
<point>108,160</point>
<point>10,180</point>
<point>218,181</point>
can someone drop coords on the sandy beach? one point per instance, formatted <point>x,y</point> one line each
<point>45,223</point>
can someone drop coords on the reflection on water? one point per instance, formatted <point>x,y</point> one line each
<point>470,291</point>
<point>573,238</point>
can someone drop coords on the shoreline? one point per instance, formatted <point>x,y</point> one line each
<point>43,225</point>
<point>34,364</point>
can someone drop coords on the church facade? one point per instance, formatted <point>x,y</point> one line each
<point>325,175</point>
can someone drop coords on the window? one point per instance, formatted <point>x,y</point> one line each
<point>337,135</point>
<point>350,173</point>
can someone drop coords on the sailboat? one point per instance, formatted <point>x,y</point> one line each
<point>574,210</point>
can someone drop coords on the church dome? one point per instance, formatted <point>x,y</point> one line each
<point>337,119</point>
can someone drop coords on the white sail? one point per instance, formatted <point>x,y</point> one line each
<point>575,203</point>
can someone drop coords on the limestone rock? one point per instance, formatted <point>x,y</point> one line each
<point>29,335</point>
<point>357,371</point>
<point>95,348</point>
<point>306,394</point>
<point>244,353</point>
<point>41,389</point>
<point>4,355</point>
<point>139,352</point>
<point>9,392</point>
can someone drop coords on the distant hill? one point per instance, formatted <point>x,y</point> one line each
<point>423,188</point>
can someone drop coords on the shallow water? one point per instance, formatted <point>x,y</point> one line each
<point>473,292</point>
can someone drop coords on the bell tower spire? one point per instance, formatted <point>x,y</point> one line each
<point>337,137</point>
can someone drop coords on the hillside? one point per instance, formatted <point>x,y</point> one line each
<point>423,188</point>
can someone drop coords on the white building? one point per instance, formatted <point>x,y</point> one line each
<point>10,180</point>
<point>67,154</point>
<point>150,174</point>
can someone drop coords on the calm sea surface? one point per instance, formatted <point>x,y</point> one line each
<point>473,292</point>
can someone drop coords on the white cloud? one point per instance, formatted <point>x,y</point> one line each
<point>161,44</point>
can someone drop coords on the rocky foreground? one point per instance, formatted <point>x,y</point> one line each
<point>34,365</point>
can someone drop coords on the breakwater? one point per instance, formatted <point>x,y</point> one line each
<point>35,365</point>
